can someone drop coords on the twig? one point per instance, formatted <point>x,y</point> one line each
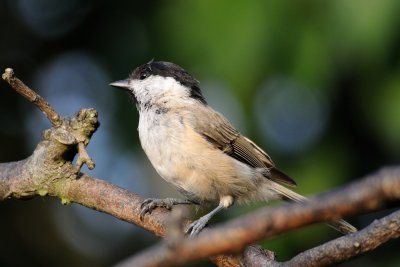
<point>366,195</point>
<point>63,133</point>
<point>175,224</point>
<point>84,158</point>
<point>346,247</point>
<point>32,96</point>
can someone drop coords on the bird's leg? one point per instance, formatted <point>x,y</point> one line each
<point>196,226</point>
<point>151,203</point>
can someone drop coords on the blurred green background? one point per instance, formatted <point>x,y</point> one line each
<point>315,83</point>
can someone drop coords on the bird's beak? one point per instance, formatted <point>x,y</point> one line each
<point>121,84</point>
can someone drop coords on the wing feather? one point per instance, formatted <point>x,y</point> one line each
<point>220,133</point>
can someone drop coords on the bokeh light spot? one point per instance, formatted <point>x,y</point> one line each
<point>291,117</point>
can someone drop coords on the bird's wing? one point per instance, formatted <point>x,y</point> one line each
<point>220,133</point>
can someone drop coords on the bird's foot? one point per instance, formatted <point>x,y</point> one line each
<point>196,226</point>
<point>151,203</point>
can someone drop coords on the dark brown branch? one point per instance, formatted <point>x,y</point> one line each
<point>347,247</point>
<point>332,252</point>
<point>113,200</point>
<point>369,194</point>
<point>32,96</point>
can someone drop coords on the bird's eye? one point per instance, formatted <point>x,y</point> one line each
<point>143,75</point>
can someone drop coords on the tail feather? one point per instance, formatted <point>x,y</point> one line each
<point>339,225</point>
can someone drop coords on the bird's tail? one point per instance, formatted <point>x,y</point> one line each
<point>339,225</point>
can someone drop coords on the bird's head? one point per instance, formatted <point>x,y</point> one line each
<point>160,81</point>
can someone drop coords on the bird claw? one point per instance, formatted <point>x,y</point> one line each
<point>196,226</point>
<point>150,204</point>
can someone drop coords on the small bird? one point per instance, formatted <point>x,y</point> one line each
<point>197,150</point>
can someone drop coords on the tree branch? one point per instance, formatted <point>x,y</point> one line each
<point>32,96</point>
<point>347,247</point>
<point>256,256</point>
<point>369,194</point>
<point>49,170</point>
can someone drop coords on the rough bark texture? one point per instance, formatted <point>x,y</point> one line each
<point>347,247</point>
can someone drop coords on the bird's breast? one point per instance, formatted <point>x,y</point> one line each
<point>183,158</point>
<point>161,137</point>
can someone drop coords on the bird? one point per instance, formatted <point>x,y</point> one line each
<point>197,150</point>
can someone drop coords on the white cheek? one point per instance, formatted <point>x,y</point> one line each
<point>155,87</point>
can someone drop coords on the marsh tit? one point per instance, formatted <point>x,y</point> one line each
<point>197,150</point>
